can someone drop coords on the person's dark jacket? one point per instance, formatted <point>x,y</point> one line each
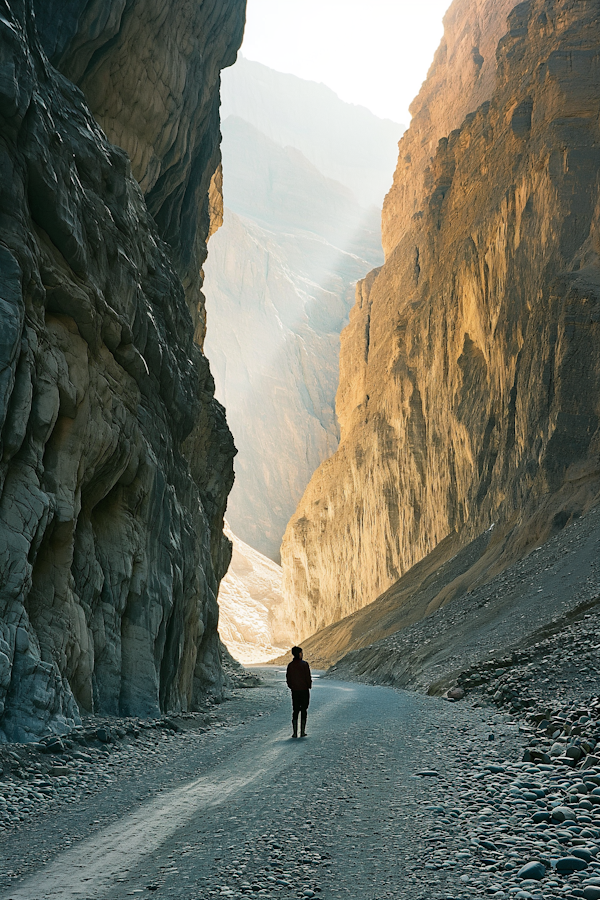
<point>298,676</point>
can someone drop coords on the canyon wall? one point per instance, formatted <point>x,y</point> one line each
<point>280,283</point>
<point>150,73</point>
<point>461,77</point>
<point>470,369</point>
<point>111,543</point>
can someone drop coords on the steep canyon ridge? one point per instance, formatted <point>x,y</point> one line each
<point>469,371</point>
<point>116,459</point>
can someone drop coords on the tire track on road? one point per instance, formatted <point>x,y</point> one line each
<point>90,869</point>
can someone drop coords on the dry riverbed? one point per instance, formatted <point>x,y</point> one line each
<point>392,795</point>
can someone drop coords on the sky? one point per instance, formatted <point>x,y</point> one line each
<point>373,53</point>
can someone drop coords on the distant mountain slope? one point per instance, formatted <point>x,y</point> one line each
<point>250,603</point>
<point>345,142</point>
<point>279,285</point>
<point>278,188</point>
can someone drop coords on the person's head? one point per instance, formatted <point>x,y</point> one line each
<point>297,652</point>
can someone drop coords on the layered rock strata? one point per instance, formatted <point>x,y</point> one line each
<point>469,372</point>
<point>111,549</point>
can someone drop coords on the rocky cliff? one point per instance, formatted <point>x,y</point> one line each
<point>470,368</point>
<point>150,72</point>
<point>461,77</point>
<point>111,547</point>
<point>280,283</point>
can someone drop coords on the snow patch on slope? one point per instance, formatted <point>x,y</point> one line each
<point>249,596</point>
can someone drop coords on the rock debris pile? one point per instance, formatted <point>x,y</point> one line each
<point>546,681</point>
<point>552,668</point>
<point>529,831</point>
<point>533,827</point>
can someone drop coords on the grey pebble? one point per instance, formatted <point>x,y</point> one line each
<point>568,864</point>
<point>535,870</point>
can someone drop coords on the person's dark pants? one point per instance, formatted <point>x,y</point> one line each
<point>300,701</point>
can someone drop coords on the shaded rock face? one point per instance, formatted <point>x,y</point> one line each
<point>280,283</point>
<point>150,72</point>
<point>469,372</point>
<point>111,549</point>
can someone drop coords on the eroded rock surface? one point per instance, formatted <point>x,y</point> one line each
<point>111,548</point>
<point>469,371</point>
<point>150,72</point>
<point>461,77</point>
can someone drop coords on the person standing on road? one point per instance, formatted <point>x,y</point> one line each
<point>299,682</point>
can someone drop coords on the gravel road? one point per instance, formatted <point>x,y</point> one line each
<point>243,810</point>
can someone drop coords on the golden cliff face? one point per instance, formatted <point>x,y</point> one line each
<point>469,371</point>
<point>461,77</point>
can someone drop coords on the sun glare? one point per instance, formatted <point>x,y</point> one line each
<point>375,56</point>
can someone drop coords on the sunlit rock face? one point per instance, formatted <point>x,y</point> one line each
<point>252,613</point>
<point>279,285</point>
<point>461,77</point>
<point>470,368</point>
<point>111,548</point>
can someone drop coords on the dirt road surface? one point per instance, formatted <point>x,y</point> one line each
<point>247,811</point>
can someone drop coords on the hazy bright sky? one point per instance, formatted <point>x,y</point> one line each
<point>375,53</point>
